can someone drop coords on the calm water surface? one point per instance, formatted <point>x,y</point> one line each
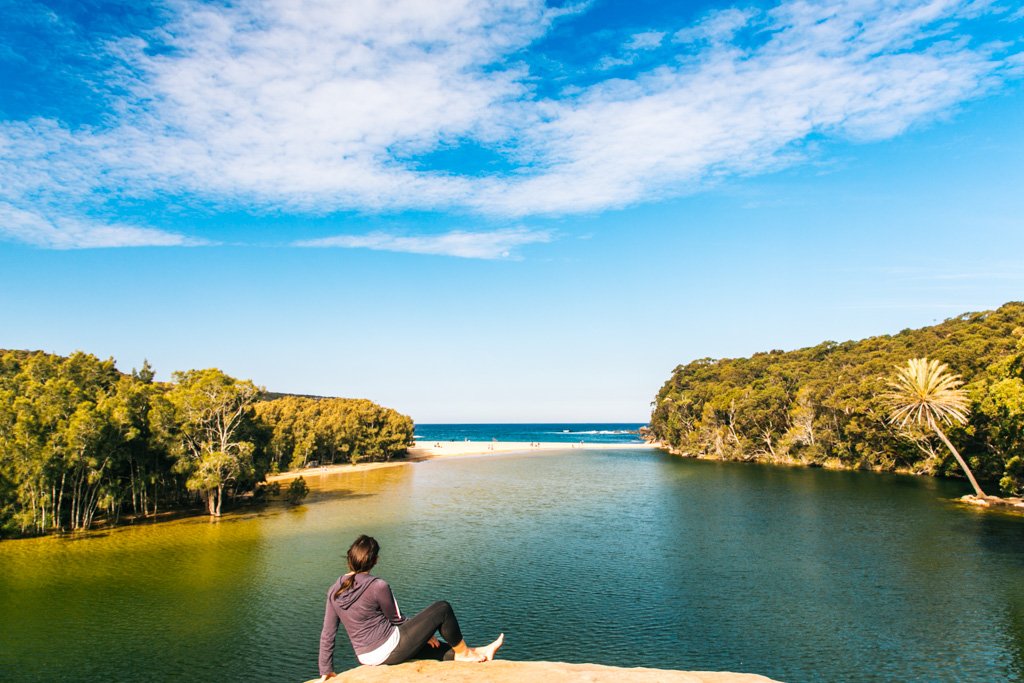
<point>616,557</point>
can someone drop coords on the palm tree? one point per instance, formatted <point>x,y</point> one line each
<point>926,393</point>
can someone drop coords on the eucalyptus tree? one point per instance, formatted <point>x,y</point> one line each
<point>55,452</point>
<point>86,461</point>
<point>205,414</point>
<point>924,392</point>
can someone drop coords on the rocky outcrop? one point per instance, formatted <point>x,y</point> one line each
<point>996,503</point>
<point>504,671</point>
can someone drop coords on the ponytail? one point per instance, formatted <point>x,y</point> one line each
<point>345,585</point>
<point>362,556</point>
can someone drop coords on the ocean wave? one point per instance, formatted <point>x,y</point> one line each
<point>596,431</point>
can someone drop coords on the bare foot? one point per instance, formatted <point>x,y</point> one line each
<point>470,654</point>
<point>489,651</point>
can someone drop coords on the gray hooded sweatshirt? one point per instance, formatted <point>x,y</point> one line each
<point>369,612</point>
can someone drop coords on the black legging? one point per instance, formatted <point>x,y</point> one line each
<point>415,632</point>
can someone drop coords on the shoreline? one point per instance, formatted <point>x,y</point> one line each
<point>421,452</point>
<point>431,450</point>
<point>1011,505</point>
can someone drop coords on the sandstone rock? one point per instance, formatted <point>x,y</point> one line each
<point>1009,504</point>
<point>504,671</point>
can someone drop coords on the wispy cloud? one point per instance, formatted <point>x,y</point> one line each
<point>647,40</point>
<point>283,104</point>
<point>312,106</point>
<point>495,244</point>
<point>857,70</point>
<point>608,62</point>
<point>632,50</point>
<point>63,232</point>
<point>718,26</point>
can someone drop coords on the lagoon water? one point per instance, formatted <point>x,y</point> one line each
<point>629,558</point>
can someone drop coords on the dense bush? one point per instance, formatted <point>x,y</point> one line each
<point>79,439</point>
<point>823,405</point>
<point>302,430</point>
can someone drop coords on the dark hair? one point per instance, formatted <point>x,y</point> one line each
<point>362,556</point>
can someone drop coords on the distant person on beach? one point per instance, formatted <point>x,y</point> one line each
<point>378,632</point>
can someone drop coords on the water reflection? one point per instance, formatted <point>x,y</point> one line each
<point>625,558</point>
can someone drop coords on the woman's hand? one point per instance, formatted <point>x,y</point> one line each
<point>434,642</point>
<point>326,677</point>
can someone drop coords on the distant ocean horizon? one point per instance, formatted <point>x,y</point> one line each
<point>567,432</point>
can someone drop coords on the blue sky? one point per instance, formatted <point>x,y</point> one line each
<point>501,210</point>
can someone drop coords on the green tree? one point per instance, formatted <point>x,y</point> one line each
<point>143,470</point>
<point>1012,482</point>
<point>80,440</point>
<point>297,490</point>
<point>209,419</point>
<point>924,392</point>
<point>327,430</point>
<point>86,461</point>
<point>823,405</point>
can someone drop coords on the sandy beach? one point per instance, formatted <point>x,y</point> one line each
<point>428,450</point>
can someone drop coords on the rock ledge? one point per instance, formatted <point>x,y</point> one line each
<point>995,502</point>
<point>504,671</point>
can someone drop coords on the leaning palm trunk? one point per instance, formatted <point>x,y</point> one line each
<point>963,464</point>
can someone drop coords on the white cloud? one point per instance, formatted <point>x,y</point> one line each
<point>495,244</point>
<point>307,103</point>
<point>608,62</point>
<point>717,26</point>
<point>843,70</point>
<point>637,43</point>
<point>63,232</point>
<point>316,106</point>
<point>648,40</point>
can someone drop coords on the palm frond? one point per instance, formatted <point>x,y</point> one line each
<point>925,392</point>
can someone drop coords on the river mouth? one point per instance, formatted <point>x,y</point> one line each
<point>626,558</point>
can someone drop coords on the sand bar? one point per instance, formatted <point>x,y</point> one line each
<point>433,449</point>
<point>429,450</point>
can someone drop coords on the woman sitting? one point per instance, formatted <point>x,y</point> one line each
<point>377,629</point>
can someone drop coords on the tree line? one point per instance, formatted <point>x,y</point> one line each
<point>80,439</point>
<point>826,405</point>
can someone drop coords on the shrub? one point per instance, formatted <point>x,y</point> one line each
<point>297,490</point>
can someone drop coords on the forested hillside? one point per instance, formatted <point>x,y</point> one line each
<point>79,439</point>
<point>824,405</point>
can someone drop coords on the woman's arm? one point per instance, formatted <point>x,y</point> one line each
<point>387,602</point>
<point>327,634</point>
